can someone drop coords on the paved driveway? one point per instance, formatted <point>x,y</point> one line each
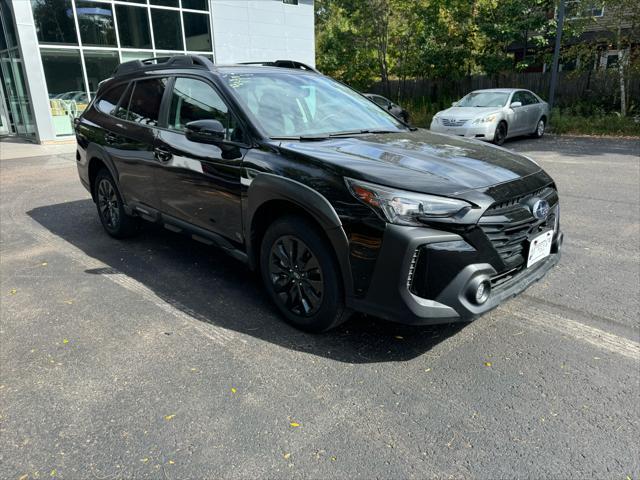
<point>158,357</point>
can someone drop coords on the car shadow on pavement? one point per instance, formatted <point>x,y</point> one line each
<point>214,288</point>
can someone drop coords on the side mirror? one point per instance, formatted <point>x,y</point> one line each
<point>205,131</point>
<point>516,104</point>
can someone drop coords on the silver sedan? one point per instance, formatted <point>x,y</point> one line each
<point>494,115</point>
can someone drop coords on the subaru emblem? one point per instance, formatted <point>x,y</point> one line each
<point>540,209</point>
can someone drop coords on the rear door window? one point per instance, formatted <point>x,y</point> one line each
<point>144,105</point>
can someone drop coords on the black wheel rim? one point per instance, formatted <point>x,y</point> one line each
<point>296,276</point>
<point>500,133</point>
<point>108,204</point>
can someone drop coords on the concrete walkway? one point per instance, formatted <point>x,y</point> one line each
<point>13,147</point>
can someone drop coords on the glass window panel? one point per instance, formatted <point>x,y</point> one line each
<point>167,31</point>
<point>67,96</point>
<point>108,102</point>
<point>136,1</point>
<point>196,100</point>
<point>133,26</point>
<point>145,102</point>
<point>54,21</point>
<point>196,4</point>
<point>196,31</point>
<point>128,56</point>
<point>100,65</point>
<point>96,24</point>
<point>165,3</point>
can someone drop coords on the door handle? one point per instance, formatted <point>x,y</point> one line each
<point>162,155</point>
<point>110,138</point>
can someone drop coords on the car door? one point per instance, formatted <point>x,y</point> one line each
<point>129,140</point>
<point>519,118</point>
<point>534,111</point>
<point>199,183</point>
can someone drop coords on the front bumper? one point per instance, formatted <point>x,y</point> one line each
<point>481,131</point>
<point>389,295</point>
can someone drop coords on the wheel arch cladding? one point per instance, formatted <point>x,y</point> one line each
<point>271,196</point>
<point>98,160</point>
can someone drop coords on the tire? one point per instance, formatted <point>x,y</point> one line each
<point>500,134</point>
<point>110,207</point>
<point>540,128</point>
<point>301,275</point>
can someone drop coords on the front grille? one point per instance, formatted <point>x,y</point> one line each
<point>509,225</point>
<point>451,122</point>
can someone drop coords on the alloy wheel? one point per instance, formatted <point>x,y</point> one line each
<point>540,129</point>
<point>296,275</point>
<point>108,204</point>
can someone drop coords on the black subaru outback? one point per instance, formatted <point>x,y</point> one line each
<point>338,204</point>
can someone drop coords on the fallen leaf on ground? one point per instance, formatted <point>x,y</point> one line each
<point>24,477</point>
<point>44,264</point>
<point>427,369</point>
<point>171,462</point>
<point>169,417</point>
<point>53,472</point>
<point>65,341</point>
<point>294,424</point>
<point>233,390</point>
<point>399,337</point>
<point>13,291</point>
<point>69,302</point>
<point>144,460</point>
<point>286,455</point>
<point>333,459</point>
<point>487,364</point>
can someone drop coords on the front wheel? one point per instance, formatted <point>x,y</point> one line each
<point>301,275</point>
<point>500,134</point>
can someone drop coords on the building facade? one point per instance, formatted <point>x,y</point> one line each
<point>54,53</point>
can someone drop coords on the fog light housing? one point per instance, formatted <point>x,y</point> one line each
<point>479,290</point>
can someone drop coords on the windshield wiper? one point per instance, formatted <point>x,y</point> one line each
<point>324,136</point>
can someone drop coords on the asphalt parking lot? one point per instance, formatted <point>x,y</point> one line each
<point>158,357</point>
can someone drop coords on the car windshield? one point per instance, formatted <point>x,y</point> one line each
<point>300,104</point>
<point>484,99</point>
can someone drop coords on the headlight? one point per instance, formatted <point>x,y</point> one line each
<point>401,207</point>
<point>487,119</point>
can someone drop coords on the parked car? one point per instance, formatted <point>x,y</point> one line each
<point>393,108</point>
<point>494,115</point>
<point>339,205</point>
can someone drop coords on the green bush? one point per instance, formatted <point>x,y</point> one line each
<point>570,121</point>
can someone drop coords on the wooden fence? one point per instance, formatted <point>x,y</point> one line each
<point>598,87</point>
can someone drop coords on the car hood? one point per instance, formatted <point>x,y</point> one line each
<point>420,161</point>
<point>467,113</point>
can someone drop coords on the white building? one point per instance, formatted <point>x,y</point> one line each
<point>53,53</point>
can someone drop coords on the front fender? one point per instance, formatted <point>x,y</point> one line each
<point>266,187</point>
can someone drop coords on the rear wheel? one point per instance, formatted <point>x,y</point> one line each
<point>301,275</point>
<point>500,134</point>
<point>111,211</point>
<point>540,128</point>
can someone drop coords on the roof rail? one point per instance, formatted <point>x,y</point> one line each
<point>177,61</point>
<point>284,64</point>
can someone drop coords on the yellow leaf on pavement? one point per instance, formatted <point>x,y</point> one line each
<point>487,364</point>
<point>13,291</point>
<point>169,417</point>
<point>233,390</point>
<point>65,341</point>
<point>294,424</point>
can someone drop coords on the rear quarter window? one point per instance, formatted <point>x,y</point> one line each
<point>108,102</point>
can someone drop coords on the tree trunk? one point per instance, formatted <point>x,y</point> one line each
<point>621,59</point>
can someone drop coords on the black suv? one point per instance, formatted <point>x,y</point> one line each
<point>340,206</point>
